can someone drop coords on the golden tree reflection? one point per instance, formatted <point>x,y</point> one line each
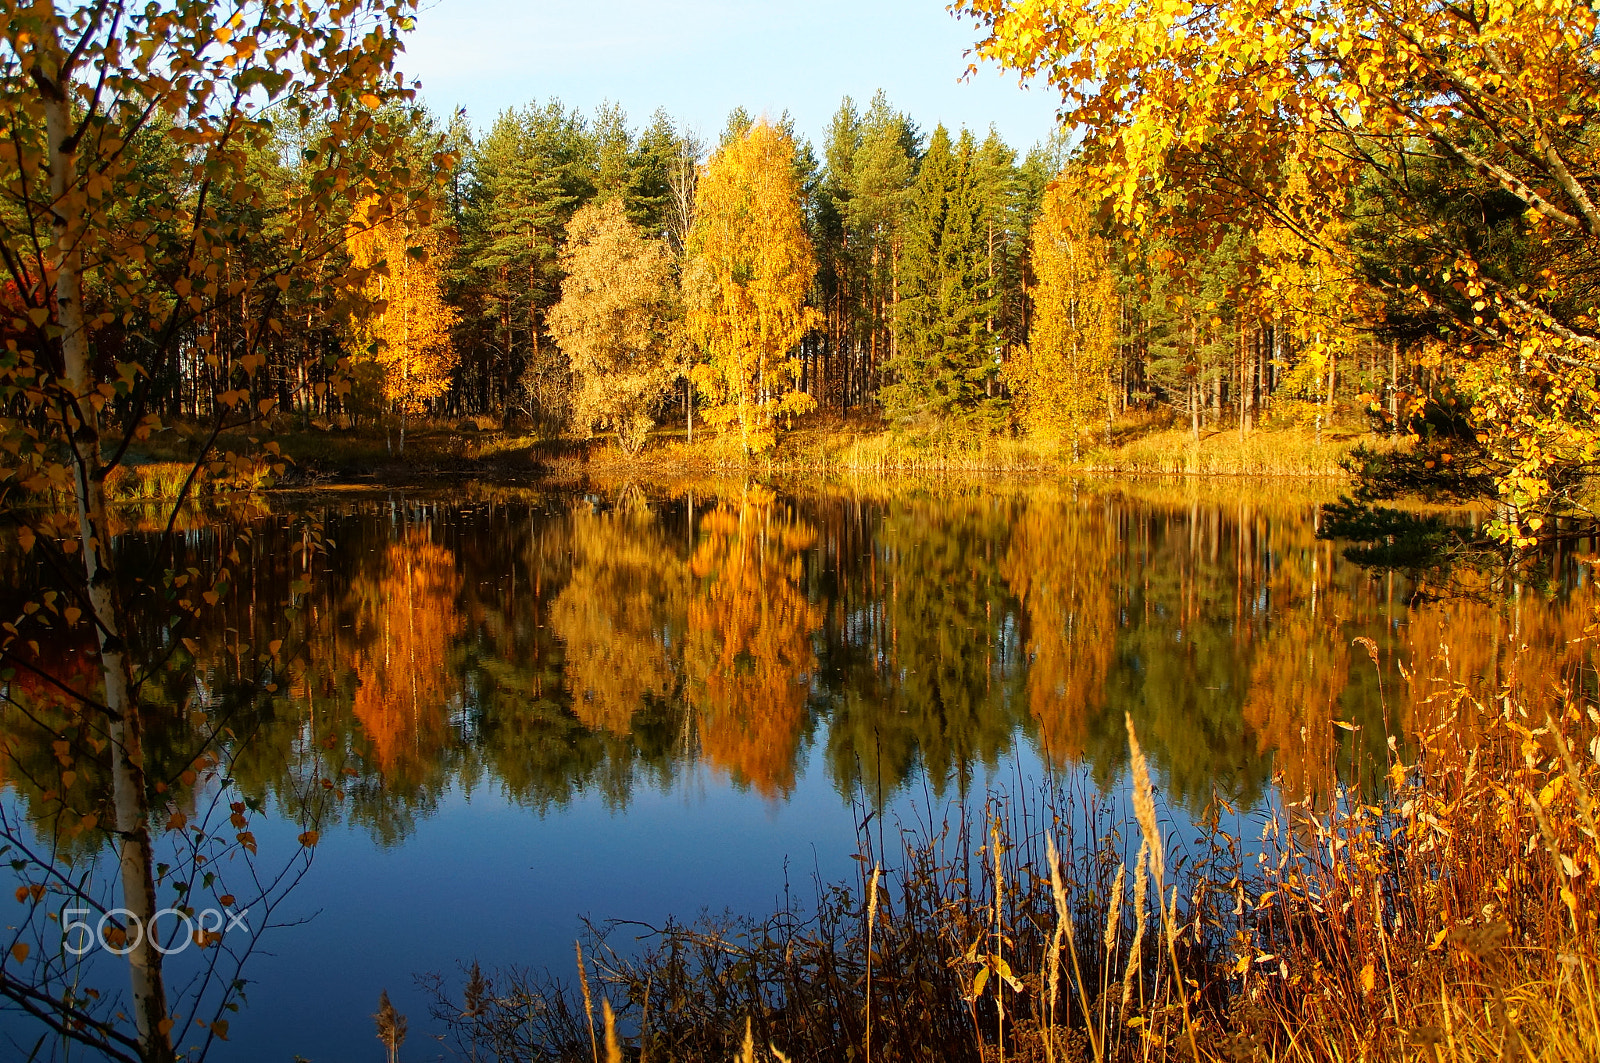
<point>620,614</point>
<point>1302,664</point>
<point>406,621</point>
<point>749,656</point>
<point>1482,642</point>
<point>590,648</point>
<point>1065,565</point>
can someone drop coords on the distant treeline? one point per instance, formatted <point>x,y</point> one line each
<point>952,285</point>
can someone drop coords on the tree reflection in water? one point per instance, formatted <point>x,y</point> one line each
<point>547,644</point>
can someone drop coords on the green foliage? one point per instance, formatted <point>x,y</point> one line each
<point>1390,538</point>
<point>1435,470</point>
<point>949,350</point>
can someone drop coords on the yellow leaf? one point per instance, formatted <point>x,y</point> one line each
<point>1369,978</point>
<point>19,951</point>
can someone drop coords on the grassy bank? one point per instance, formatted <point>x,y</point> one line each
<point>868,446</point>
<point>820,444</point>
<point>1450,919</point>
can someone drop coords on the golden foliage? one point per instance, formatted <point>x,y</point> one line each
<point>407,327</point>
<point>1062,379</point>
<point>1239,115</point>
<point>746,284</point>
<point>749,656</point>
<point>407,620</point>
<point>620,615</point>
<point>616,322</point>
<point>1301,667</point>
<point>1065,565</point>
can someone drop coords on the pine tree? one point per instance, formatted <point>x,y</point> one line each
<point>613,147</point>
<point>648,195</point>
<point>837,295</point>
<point>881,180</point>
<point>529,175</point>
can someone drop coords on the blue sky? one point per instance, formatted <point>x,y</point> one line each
<point>701,58</point>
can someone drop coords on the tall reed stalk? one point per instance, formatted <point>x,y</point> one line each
<point>1450,915</point>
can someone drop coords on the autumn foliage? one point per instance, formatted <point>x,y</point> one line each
<point>750,267</point>
<point>1357,128</point>
<point>749,656</point>
<point>407,621</point>
<point>1062,378</point>
<point>617,322</point>
<point>407,326</point>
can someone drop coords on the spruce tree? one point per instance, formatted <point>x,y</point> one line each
<point>947,354</point>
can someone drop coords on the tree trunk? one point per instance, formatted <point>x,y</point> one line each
<point>1333,376</point>
<point>135,860</point>
<point>1394,388</point>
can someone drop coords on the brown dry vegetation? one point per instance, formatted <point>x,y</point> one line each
<point>1450,917</point>
<point>816,444</point>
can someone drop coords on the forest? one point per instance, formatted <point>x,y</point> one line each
<point>229,228</point>
<point>935,279</point>
<point>573,274</point>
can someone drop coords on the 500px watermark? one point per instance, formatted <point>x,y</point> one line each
<point>120,931</point>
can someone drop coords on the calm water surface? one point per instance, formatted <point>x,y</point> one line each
<point>642,701</point>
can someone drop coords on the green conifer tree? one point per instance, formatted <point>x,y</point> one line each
<point>947,353</point>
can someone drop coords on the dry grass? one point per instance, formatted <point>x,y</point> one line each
<point>1449,919</point>
<point>828,444</point>
<point>1272,452</point>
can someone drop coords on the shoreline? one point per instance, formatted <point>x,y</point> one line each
<point>820,451</point>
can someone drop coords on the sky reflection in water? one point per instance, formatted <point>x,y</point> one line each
<point>642,702</point>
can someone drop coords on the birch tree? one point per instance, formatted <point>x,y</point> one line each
<point>84,86</point>
<point>746,285</point>
<point>617,322</point>
<point>1062,378</point>
<point>406,323</point>
<point>1204,117</point>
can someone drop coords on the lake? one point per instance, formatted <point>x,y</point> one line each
<point>630,701</point>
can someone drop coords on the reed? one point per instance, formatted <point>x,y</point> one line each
<point>1449,916</point>
<point>588,1003</point>
<point>391,1027</point>
<point>872,918</point>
